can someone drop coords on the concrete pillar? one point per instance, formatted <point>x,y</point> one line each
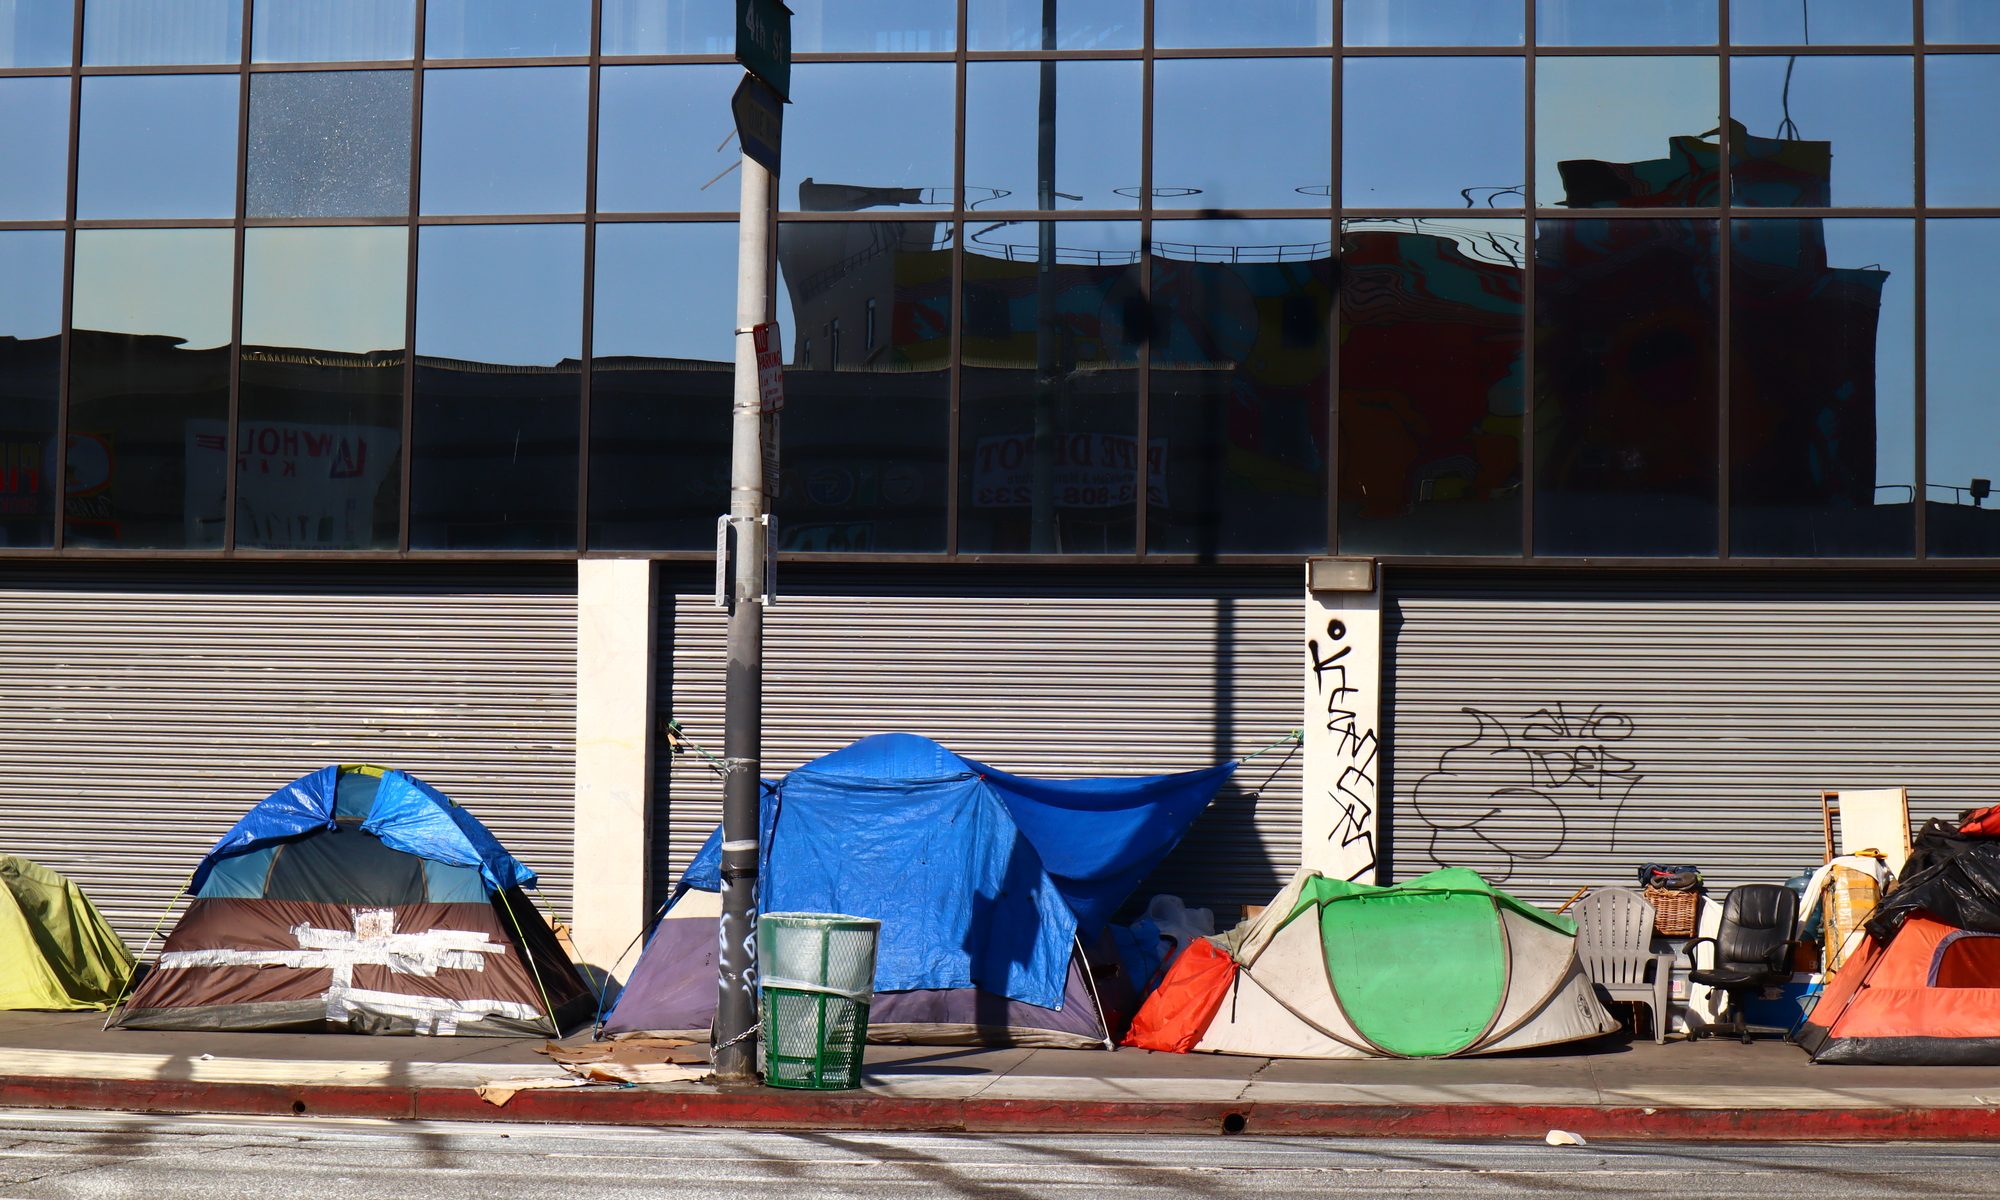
<point>614,757</point>
<point>1343,702</point>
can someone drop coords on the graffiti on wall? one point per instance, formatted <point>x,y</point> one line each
<point>1513,791</point>
<point>1347,713</point>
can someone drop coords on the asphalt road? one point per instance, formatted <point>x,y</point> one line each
<point>96,1156</point>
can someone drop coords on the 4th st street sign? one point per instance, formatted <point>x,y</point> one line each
<point>764,43</point>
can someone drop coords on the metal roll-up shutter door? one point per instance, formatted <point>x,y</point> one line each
<point>1042,672</point>
<point>1556,732</point>
<point>143,710</point>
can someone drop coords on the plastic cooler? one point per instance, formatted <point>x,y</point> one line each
<point>818,977</point>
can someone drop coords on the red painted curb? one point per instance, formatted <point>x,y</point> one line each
<point>765,1108</point>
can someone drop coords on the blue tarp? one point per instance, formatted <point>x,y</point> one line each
<point>408,815</point>
<point>980,878</point>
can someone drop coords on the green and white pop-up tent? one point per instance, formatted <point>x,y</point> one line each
<point>1442,965</point>
<point>56,952</point>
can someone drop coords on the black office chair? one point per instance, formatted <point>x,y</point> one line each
<point>1753,949</point>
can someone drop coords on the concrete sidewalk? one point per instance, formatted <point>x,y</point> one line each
<point>1610,1088</point>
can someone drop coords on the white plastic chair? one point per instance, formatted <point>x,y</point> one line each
<point>1614,943</point>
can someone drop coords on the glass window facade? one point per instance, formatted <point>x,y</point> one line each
<point>1509,280</point>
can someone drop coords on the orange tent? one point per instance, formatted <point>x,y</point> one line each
<point>1928,996</point>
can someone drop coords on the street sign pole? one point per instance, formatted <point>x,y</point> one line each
<point>763,44</point>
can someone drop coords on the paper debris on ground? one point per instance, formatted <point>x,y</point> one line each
<point>629,1051</point>
<point>622,1072</point>
<point>500,1091</point>
<point>1563,1137</point>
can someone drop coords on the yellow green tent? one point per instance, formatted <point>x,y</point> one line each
<point>56,952</point>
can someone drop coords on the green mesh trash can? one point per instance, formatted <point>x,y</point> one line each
<point>818,976</point>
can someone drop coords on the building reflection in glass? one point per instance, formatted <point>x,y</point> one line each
<point>1626,328</point>
<point>661,384</point>
<point>319,435</point>
<point>1961,420</point>
<point>1049,414</point>
<point>31,261</point>
<point>498,385</point>
<point>1822,399</point>
<point>1238,419</point>
<point>149,380</point>
<point>1431,386</point>
<point>864,308</point>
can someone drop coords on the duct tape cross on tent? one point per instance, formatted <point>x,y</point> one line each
<point>374,942</point>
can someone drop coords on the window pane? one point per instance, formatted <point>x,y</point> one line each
<point>647,164</point>
<point>1237,425</point>
<point>1625,23</point>
<point>1434,23</point>
<point>1822,389</point>
<point>661,385</point>
<point>499,336</point>
<point>1465,112</point>
<point>1962,141</point>
<point>506,28</point>
<point>1625,132</point>
<point>1079,25</point>
<point>1215,145</point>
<point>331,144</point>
<point>1962,420</point>
<point>149,388</point>
<point>1181,24</point>
<point>1049,416</point>
<point>332,30</point>
<point>668,27</point>
<point>320,422</point>
<point>1625,387</point>
<point>1818,23</point>
<point>882,26</point>
<point>1804,113</point>
<point>35,33</point>
<point>151,33</point>
<point>1431,386</point>
<point>34,149</point>
<point>1092,136</point>
<point>843,155</point>
<point>505,139</point>
<point>865,312</point>
<point>1961,21</point>
<point>157,146</point>
<point>30,365</point>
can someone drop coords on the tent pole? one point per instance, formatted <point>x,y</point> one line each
<point>521,941</point>
<point>140,960</point>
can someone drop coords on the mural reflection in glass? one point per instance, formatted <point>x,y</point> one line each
<point>1238,417</point>
<point>661,384</point>
<point>31,261</point>
<point>149,388</point>
<point>1431,386</point>
<point>1626,327</point>
<point>1049,407</point>
<point>864,308</point>
<point>1822,388</point>
<point>499,342</point>
<point>320,419</point>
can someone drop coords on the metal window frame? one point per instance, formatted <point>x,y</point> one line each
<point>1147,214</point>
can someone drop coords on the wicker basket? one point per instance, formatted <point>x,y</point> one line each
<point>1673,912</point>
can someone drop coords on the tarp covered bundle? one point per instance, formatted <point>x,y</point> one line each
<point>56,952</point>
<point>1924,987</point>
<point>985,883</point>
<point>360,900</point>
<point>1445,964</point>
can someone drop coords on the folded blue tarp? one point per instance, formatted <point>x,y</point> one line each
<point>980,878</point>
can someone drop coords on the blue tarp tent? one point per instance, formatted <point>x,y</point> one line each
<point>984,881</point>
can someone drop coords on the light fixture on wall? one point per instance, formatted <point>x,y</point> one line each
<point>1340,574</point>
